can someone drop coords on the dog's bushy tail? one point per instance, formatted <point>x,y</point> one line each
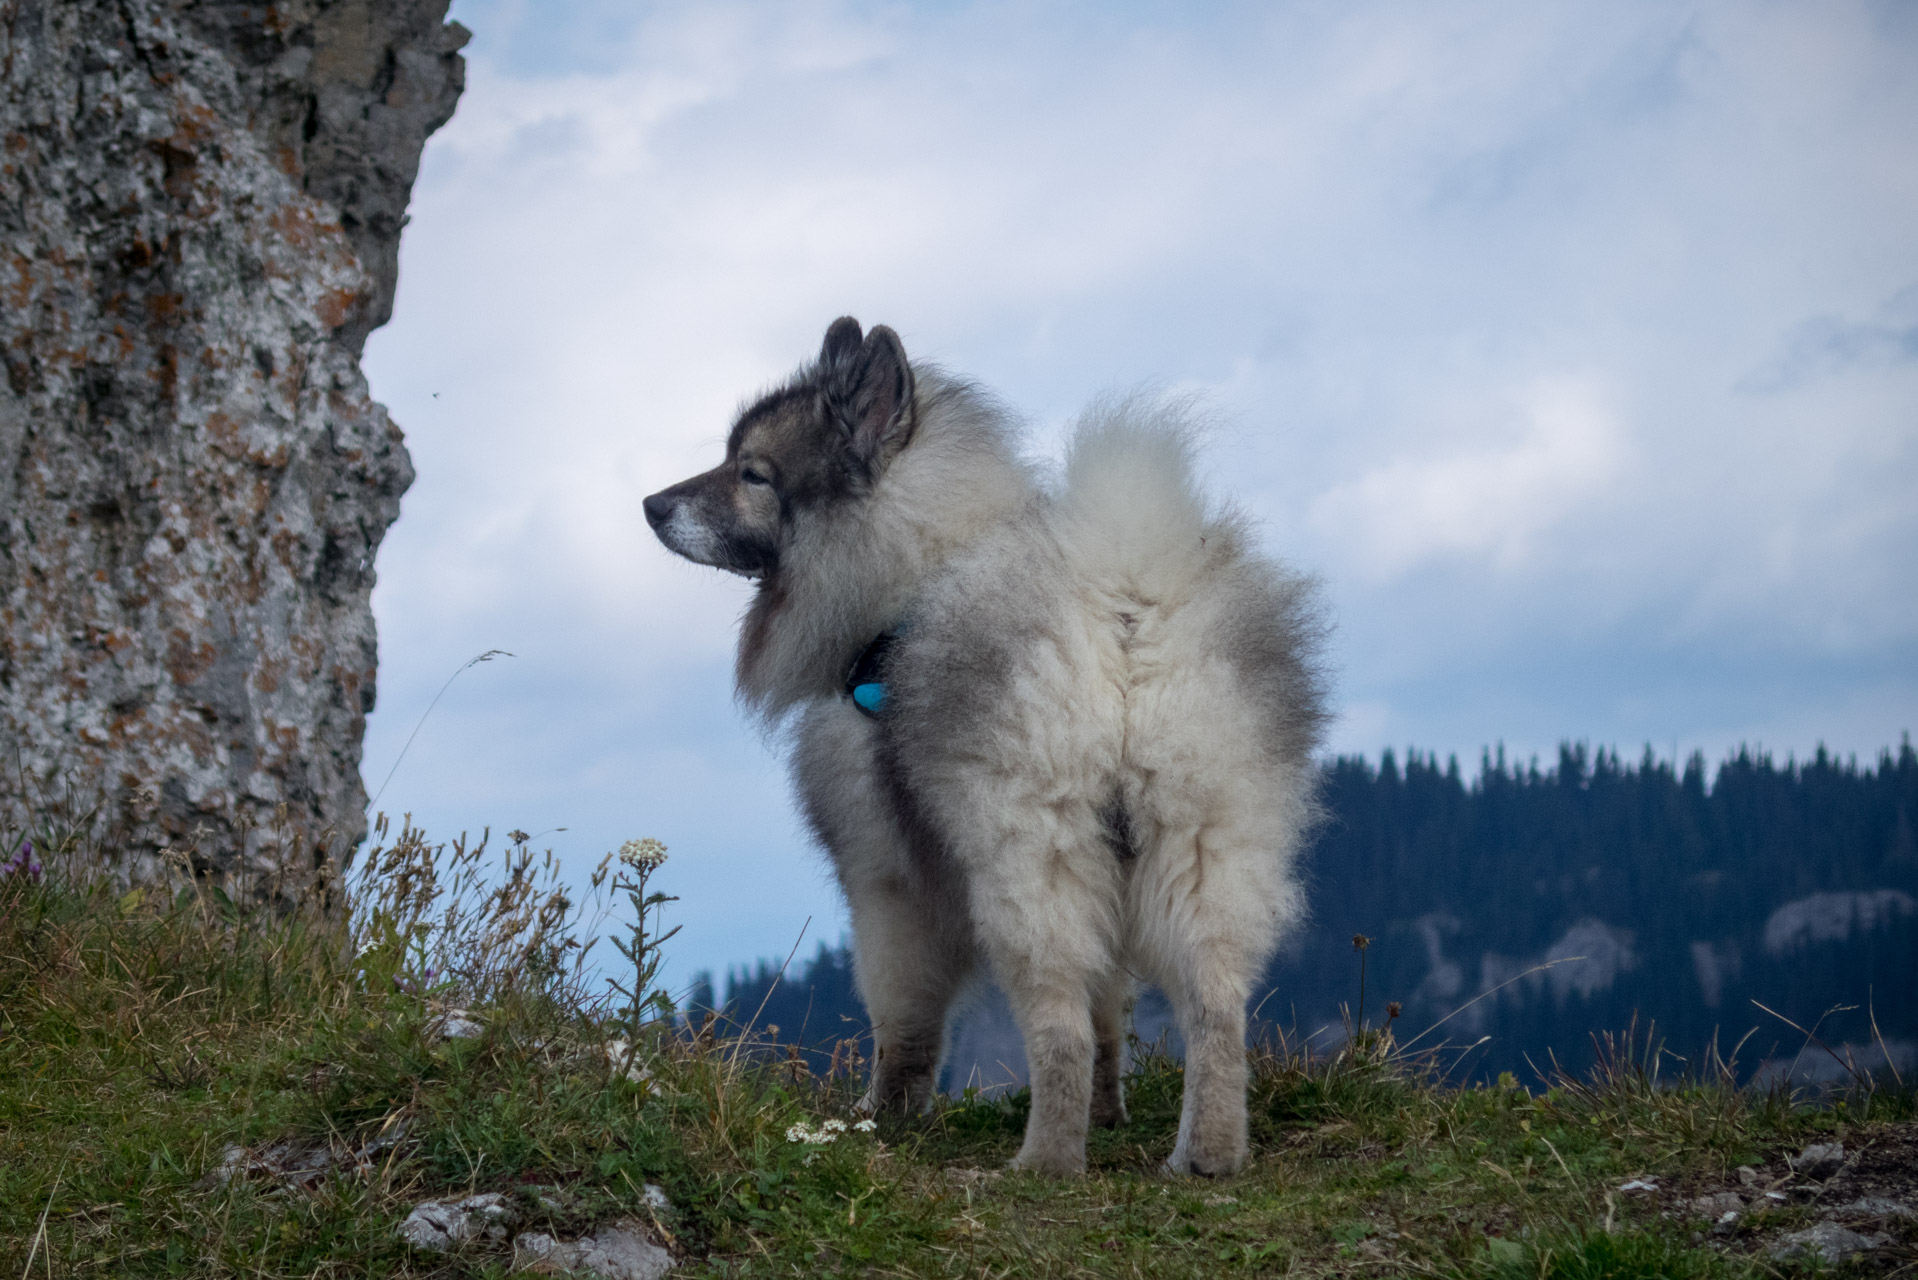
<point>1131,516</point>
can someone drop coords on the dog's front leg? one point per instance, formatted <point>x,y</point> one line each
<point>909,964</point>
<point>912,946</point>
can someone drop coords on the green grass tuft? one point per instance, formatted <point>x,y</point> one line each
<point>1629,1255</point>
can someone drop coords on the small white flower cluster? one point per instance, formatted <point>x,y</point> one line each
<point>643,855</point>
<point>828,1131</point>
<point>621,1054</point>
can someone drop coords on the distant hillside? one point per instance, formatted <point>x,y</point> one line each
<point>1650,893</point>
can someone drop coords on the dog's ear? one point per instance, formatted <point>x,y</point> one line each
<point>843,338</point>
<point>868,390</point>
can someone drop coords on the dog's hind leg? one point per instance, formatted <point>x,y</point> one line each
<point>1044,915</point>
<point>1210,900</point>
<point>1212,1119</point>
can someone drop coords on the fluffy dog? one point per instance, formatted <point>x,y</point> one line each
<point>1061,729</point>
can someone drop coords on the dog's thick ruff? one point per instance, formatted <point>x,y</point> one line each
<point>1094,760</point>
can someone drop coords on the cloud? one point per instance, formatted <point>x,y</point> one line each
<point>1824,345</point>
<point>1493,501</point>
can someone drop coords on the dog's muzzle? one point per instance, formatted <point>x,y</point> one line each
<point>676,523</point>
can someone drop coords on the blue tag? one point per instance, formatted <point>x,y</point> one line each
<point>870,698</point>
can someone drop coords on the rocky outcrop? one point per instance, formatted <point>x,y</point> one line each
<point>200,210</point>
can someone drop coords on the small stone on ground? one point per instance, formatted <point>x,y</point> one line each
<point>1718,1205</point>
<point>1828,1242</point>
<point>619,1251</point>
<point>1876,1207</point>
<point>437,1225</point>
<point>1819,1160</point>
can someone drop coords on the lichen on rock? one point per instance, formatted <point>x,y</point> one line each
<point>200,210</point>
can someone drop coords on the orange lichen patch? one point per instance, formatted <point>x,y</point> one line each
<point>266,676</point>
<point>166,308</point>
<point>286,549</point>
<point>194,122</point>
<point>349,682</point>
<point>272,459</point>
<point>289,162</point>
<point>223,432</point>
<point>168,373</point>
<point>334,306</point>
<point>294,223</point>
<point>187,661</point>
<point>18,291</point>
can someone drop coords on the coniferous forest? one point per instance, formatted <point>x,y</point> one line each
<point>1538,905</point>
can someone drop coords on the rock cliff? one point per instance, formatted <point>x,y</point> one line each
<point>200,212</point>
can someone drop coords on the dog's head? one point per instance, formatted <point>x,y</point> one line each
<point>824,438</point>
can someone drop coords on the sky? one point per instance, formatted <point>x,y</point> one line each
<point>1573,346</point>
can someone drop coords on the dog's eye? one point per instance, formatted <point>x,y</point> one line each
<point>753,477</point>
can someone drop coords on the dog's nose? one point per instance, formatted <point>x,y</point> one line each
<point>658,506</point>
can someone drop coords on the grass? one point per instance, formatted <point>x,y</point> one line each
<point>144,1034</point>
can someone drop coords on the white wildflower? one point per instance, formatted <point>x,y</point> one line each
<point>866,1126</point>
<point>620,1055</point>
<point>825,1133</point>
<point>643,855</point>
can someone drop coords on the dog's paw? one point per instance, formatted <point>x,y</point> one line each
<point>1109,1116</point>
<point>1204,1164</point>
<point>1051,1163</point>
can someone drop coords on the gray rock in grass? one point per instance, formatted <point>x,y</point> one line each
<point>1828,1242</point>
<point>437,1225</point>
<point>618,1251</point>
<point>1819,1160</point>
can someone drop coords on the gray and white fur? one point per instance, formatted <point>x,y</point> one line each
<point>1094,764</point>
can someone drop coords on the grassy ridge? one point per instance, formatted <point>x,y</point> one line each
<point>142,1035</point>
